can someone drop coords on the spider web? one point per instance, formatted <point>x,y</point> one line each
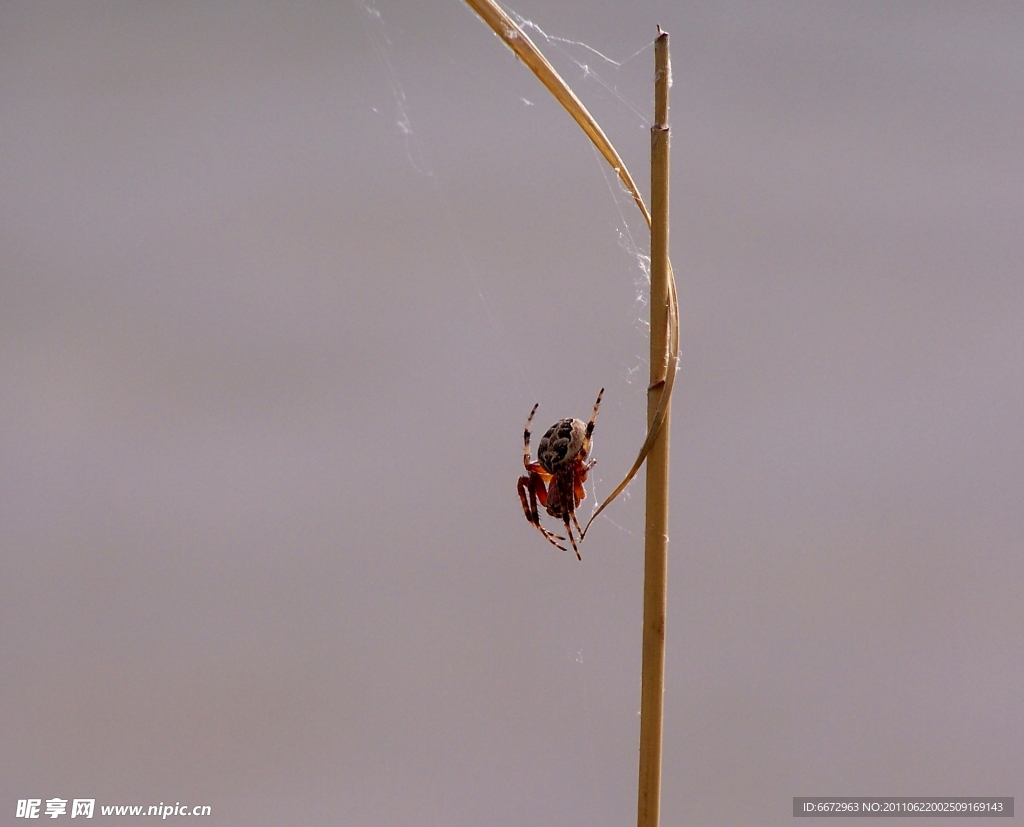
<point>617,89</point>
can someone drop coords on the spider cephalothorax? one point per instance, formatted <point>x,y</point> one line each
<point>556,479</point>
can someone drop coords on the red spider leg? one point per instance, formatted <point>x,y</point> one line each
<point>561,496</point>
<point>578,489</point>
<point>580,493</point>
<point>534,485</point>
<point>521,487</point>
<point>568,530</point>
<point>539,479</point>
<point>576,522</point>
<point>538,491</point>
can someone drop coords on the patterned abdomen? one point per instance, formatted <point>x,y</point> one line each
<point>561,444</point>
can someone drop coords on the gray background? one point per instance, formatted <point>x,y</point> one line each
<point>278,287</point>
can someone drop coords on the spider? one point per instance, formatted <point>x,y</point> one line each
<point>557,478</point>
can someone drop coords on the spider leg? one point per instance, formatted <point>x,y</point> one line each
<point>521,487</point>
<point>579,531</point>
<point>531,485</point>
<point>590,425</point>
<point>553,538</point>
<point>526,436</point>
<point>578,490</point>
<point>568,530</point>
<point>538,491</point>
<point>565,506</point>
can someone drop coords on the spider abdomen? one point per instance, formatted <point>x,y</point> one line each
<point>561,444</point>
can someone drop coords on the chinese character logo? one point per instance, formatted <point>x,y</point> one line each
<point>28,807</point>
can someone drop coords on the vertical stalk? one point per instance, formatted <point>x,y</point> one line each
<point>652,688</point>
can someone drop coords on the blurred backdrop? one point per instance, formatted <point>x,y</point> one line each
<point>279,284</point>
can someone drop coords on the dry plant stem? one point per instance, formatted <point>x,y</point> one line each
<point>652,690</point>
<point>517,40</point>
<point>664,361</point>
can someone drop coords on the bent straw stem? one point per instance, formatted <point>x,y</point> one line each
<point>519,42</point>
